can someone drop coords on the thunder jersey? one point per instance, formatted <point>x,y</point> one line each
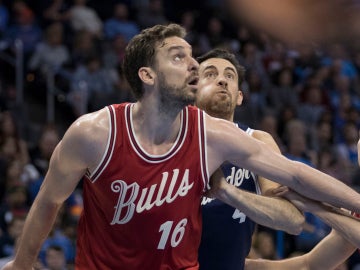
<point>227,232</point>
<point>143,211</point>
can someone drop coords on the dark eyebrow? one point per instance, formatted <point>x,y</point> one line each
<point>226,69</point>
<point>176,47</point>
<point>210,67</point>
<point>231,69</point>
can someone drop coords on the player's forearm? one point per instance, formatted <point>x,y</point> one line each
<point>260,264</point>
<point>330,252</point>
<point>37,227</point>
<point>322,187</point>
<point>282,215</point>
<point>347,226</point>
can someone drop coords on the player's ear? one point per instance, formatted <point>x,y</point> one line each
<point>240,98</point>
<point>147,75</point>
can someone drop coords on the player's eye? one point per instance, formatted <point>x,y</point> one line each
<point>230,76</point>
<point>210,74</point>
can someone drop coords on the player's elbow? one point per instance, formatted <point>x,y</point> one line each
<point>298,224</point>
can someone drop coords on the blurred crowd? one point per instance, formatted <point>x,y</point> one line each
<point>306,95</point>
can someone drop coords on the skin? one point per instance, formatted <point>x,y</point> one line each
<point>333,250</point>
<point>322,256</point>
<point>156,127</point>
<point>218,94</point>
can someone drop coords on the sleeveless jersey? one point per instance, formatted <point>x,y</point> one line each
<point>143,211</point>
<point>227,232</point>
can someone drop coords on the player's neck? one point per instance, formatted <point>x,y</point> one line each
<point>154,126</point>
<point>225,116</point>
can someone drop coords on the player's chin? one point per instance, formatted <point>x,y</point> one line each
<point>193,87</point>
<point>190,98</point>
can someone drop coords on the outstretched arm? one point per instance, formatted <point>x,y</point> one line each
<point>346,225</point>
<point>327,254</point>
<point>226,142</point>
<point>71,158</point>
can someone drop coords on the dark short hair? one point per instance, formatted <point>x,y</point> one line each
<point>140,52</point>
<point>224,54</point>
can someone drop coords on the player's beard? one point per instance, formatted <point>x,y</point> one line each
<point>220,107</point>
<point>174,98</point>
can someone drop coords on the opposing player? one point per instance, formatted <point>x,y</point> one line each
<point>147,164</point>
<point>220,79</point>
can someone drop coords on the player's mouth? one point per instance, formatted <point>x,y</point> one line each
<point>223,92</point>
<point>193,81</point>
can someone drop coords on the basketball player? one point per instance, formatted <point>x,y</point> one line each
<point>220,79</point>
<point>147,164</point>
<point>332,251</point>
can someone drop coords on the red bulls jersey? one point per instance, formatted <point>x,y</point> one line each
<point>142,211</point>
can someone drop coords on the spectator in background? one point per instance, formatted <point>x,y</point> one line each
<point>84,44</point>
<point>112,59</point>
<point>16,203</point>
<point>307,61</point>
<point>92,86</point>
<point>52,52</point>
<point>12,146</point>
<point>187,21</point>
<point>252,58</point>
<point>114,53</point>
<point>151,14</point>
<point>24,27</point>
<point>283,90</point>
<point>296,142</point>
<point>41,153</point>
<point>4,18</point>
<point>322,136</point>
<point>55,258</point>
<point>14,154</point>
<point>347,150</point>
<point>82,17</point>
<point>270,123</point>
<point>40,156</point>
<point>120,24</point>
<point>338,57</point>
<point>312,106</point>
<point>8,238</point>
<point>256,96</point>
<point>214,36</point>
<point>54,11</point>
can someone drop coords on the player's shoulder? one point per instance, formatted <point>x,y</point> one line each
<point>92,121</point>
<point>89,127</point>
<point>261,135</point>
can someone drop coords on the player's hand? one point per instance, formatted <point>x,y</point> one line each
<point>301,202</point>
<point>217,182</point>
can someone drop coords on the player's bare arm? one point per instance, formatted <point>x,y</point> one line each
<point>80,150</point>
<point>323,256</point>
<point>283,215</point>
<point>346,225</point>
<point>227,142</point>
